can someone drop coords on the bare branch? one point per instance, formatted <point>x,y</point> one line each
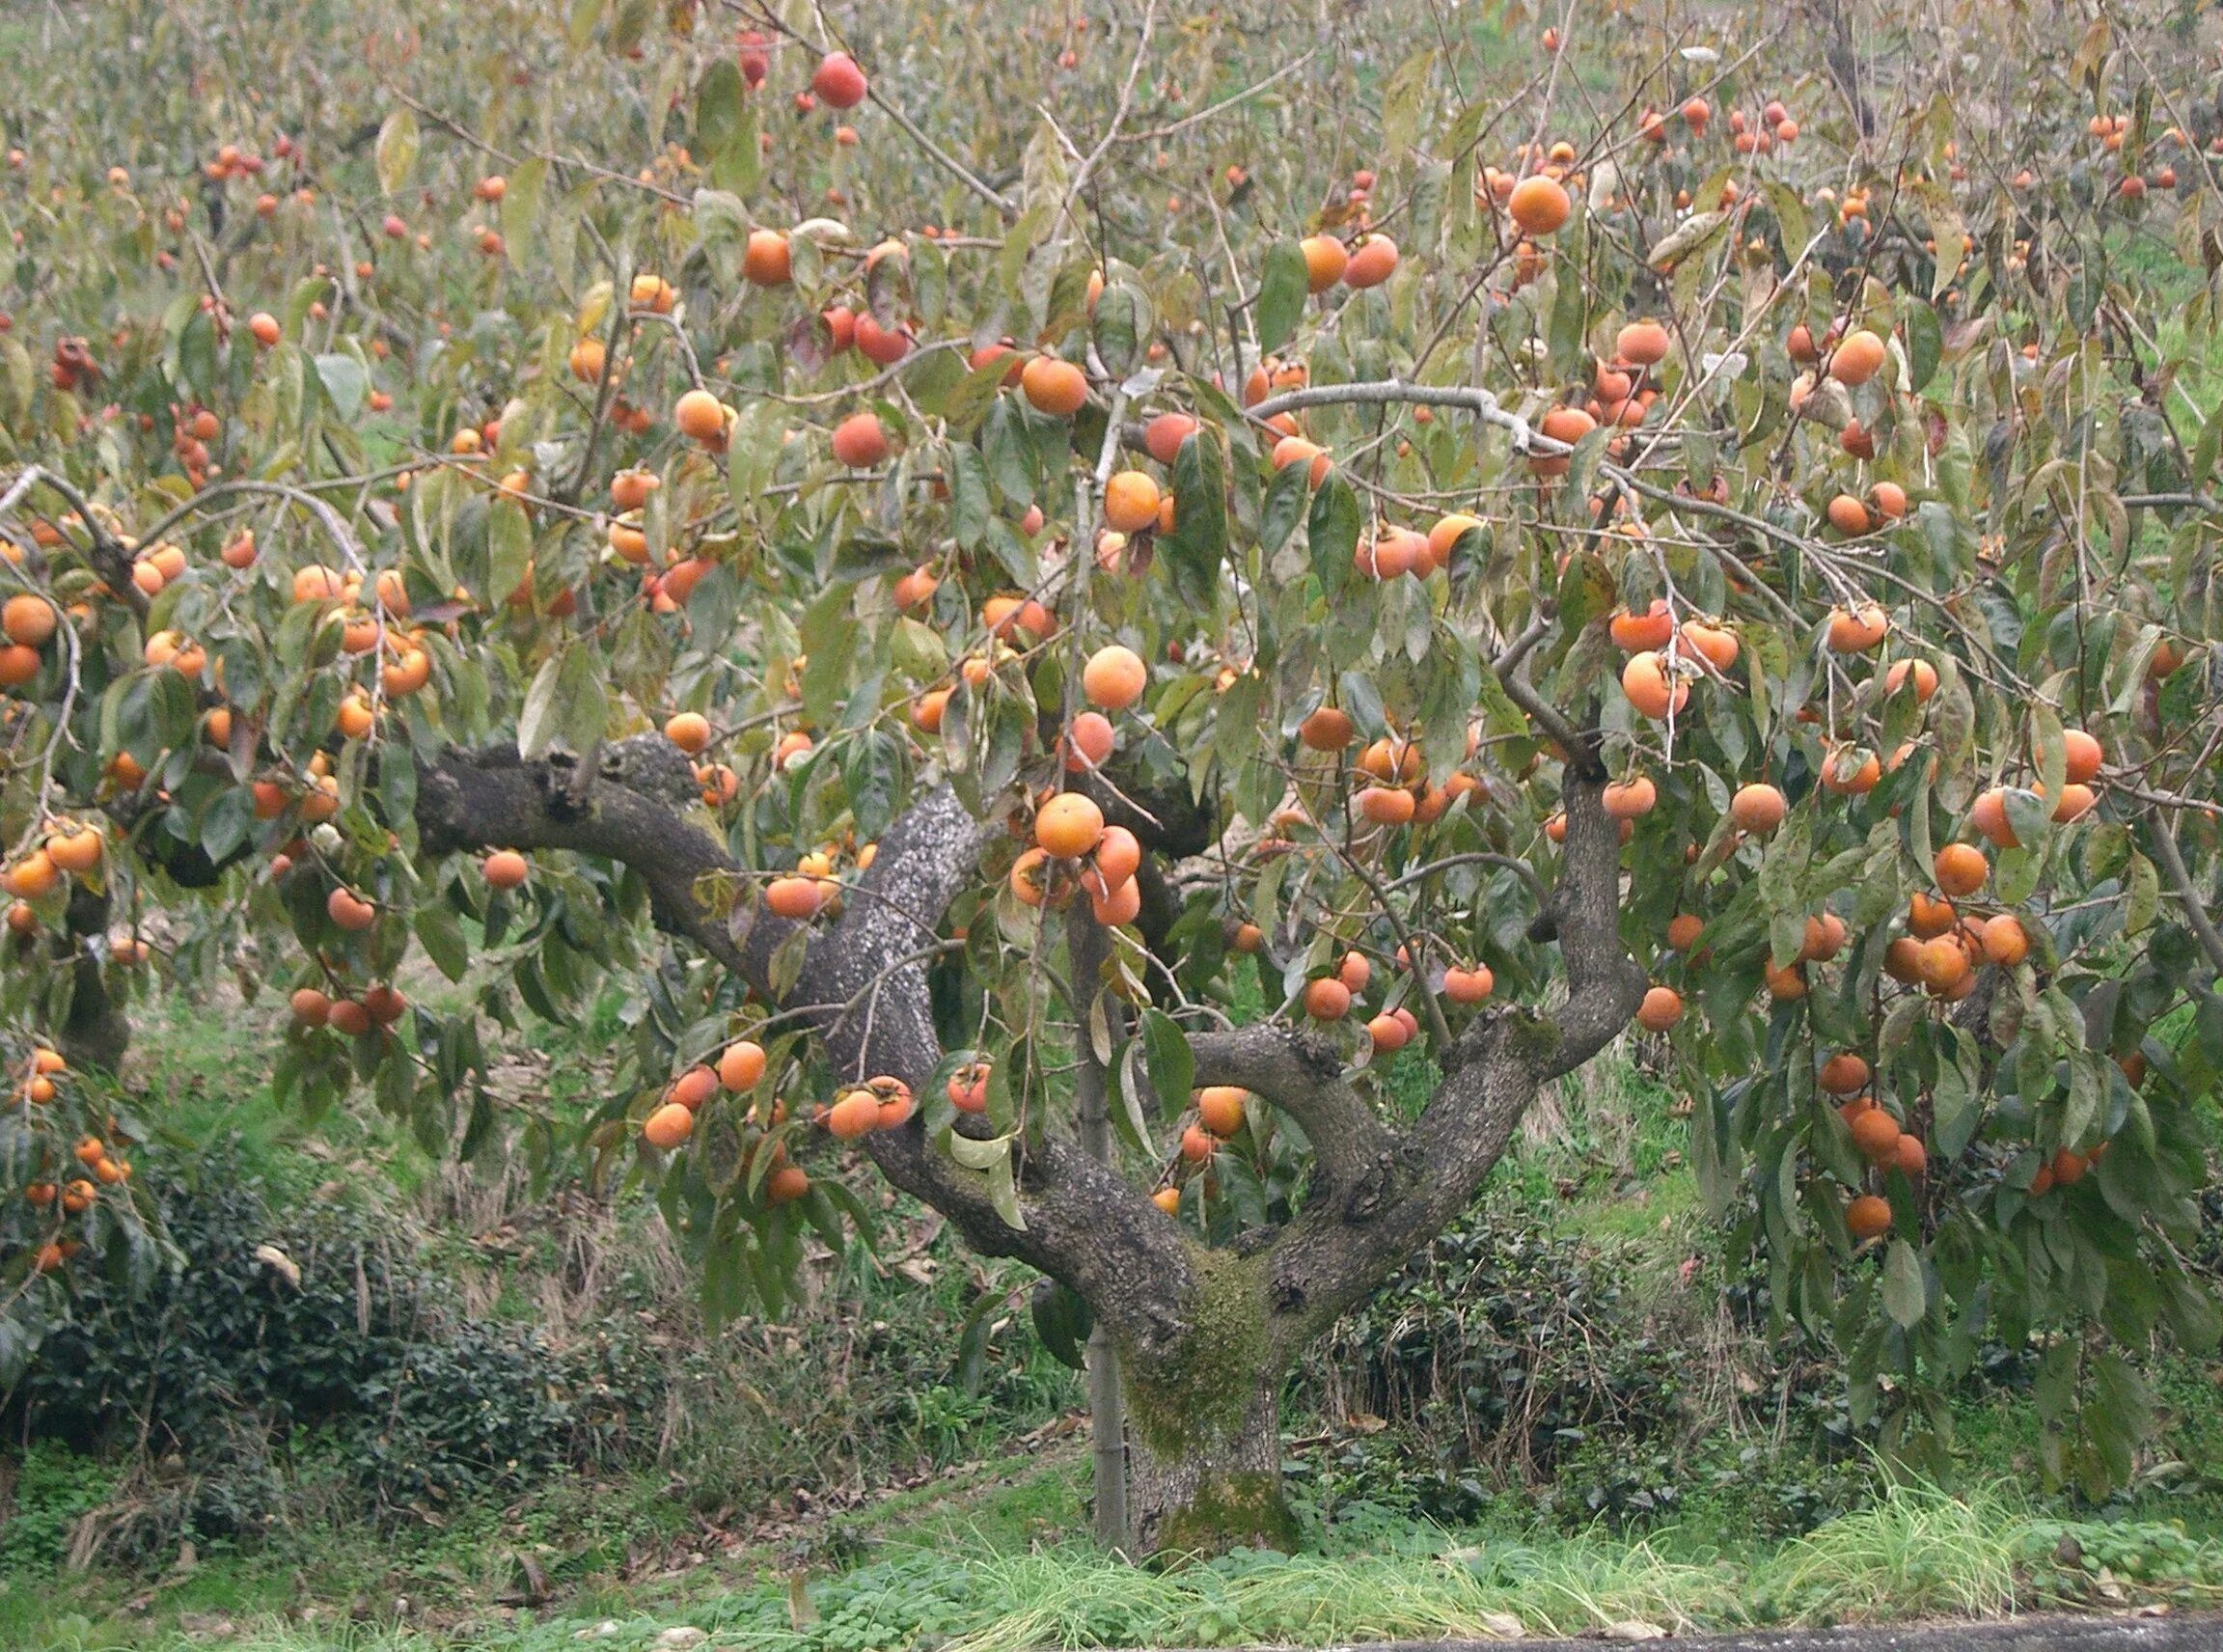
<point>2171,860</point>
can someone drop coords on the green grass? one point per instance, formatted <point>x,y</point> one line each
<point>980,1586</point>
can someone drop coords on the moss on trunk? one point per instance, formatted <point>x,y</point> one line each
<point>1237,1510</point>
<point>1185,1400</point>
<point>1204,1417</point>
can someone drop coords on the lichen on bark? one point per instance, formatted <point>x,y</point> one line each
<point>1228,1511</point>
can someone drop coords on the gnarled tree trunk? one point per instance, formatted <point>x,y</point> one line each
<point>1204,1336</point>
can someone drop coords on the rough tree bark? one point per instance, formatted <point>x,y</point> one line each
<point>1205,1336</point>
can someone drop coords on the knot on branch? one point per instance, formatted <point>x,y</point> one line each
<point>651,765</point>
<point>567,778</point>
<point>1374,1188</point>
<point>1315,1054</point>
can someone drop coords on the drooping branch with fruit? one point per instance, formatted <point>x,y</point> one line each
<point>1061,700</point>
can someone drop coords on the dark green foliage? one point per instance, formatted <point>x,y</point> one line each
<point>1507,1348</point>
<point>226,1364</point>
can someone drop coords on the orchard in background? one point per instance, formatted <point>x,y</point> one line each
<point>1056,591</point>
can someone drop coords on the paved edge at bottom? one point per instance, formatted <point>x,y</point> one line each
<point>2053,1633</point>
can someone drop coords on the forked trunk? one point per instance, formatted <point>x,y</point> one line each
<point>1211,1481</point>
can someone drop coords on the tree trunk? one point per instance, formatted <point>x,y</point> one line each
<point>1213,1482</point>
<point>95,1034</point>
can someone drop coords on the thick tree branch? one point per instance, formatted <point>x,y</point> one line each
<point>629,813</point>
<point>1604,987</point>
<point>2172,868</point>
<point>1299,1074</point>
<point>1325,1262</point>
<point>1580,748</point>
<point>1085,1225</point>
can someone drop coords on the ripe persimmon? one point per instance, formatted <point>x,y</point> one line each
<point>1162,436</point>
<point>1469,986</point>
<point>1961,870</point>
<point>1327,729</point>
<point>1324,260</point>
<point>1053,386</point>
<point>1539,204</point>
<point>1631,799</point>
<point>860,441</point>
<point>1131,501</point>
<point>1758,808</point>
<point>28,618</point>
<point>1854,631</point>
<point>1068,826</point>
<point>838,82</point>
<point>2083,752</point>
<point>1651,687</point>
<point>1868,1217</point>
<point>1876,1133</point>
<point>797,898</point>
<point>1654,628</point>
<point>1220,1109</point>
<point>1373,261</point>
<point>689,731</point>
<point>1844,1074</point>
<point>700,415</point>
<point>1921,672</point>
<point>1327,999</point>
<point>2006,943</point>
<point>1857,358</point>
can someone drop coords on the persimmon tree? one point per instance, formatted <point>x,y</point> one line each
<point>1053,644</point>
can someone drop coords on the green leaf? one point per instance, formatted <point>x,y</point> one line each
<point>722,119</point>
<point>509,550</point>
<point>521,214</point>
<point>582,701</point>
<point>1286,498</point>
<point>1061,1320</point>
<point>1924,344</point>
<point>829,633</point>
<point>1171,1065</point>
<point>1945,229</point>
<point>1686,239</point>
<point>1199,542</point>
<point>1004,1195</point>
<point>537,720</point>
<point>345,381</point>
<point>2205,450</point>
<point>873,776</point>
<point>723,224</point>
<point>1121,327</point>
<point>396,151</point>
<point>1404,101</point>
<point>1906,1298</point>
<point>970,504</point>
<point>1283,285</point>
<point>1331,530</point>
<point>442,937</point>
